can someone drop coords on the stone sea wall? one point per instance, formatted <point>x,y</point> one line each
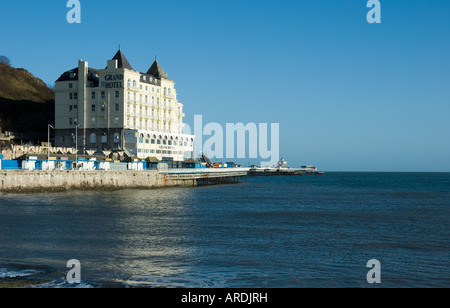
<point>47,181</point>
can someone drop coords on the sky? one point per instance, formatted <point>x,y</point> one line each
<point>348,95</point>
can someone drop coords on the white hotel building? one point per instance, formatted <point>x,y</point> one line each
<point>119,108</point>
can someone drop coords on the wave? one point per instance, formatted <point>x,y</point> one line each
<point>62,283</point>
<point>5,273</point>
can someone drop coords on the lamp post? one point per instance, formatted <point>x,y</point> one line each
<point>48,144</point>
<point>76,145</point>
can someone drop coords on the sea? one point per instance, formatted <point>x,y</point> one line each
<point>270,232</point>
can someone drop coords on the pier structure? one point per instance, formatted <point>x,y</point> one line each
<point>282,171</point>
<point>207,176</point>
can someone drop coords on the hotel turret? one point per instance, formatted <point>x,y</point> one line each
<point>119,108</point>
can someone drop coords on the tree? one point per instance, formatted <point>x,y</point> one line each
<point>5,60</point>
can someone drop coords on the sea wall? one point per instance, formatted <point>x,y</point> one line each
<point>47,181</point>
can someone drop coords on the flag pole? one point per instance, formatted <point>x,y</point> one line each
<point>48,147</point>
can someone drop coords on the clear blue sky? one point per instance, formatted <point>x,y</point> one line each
<point>348,95</point>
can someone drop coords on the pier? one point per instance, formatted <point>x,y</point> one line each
<point>207,176</point>
<point>281,171</point>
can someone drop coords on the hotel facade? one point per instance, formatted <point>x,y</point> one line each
<point>119,108</point>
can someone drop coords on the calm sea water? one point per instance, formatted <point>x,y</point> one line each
<point>270,232</point>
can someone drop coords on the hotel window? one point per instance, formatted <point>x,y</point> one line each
<point>102,107</point>
<point>117,94</point>
<point>75,95</point>
<point>146,99</point>
<point>70,85</point>
<point>169,142</point>
<point>93,95</point>
<point>70,121</point>
<point>153,100</point>
<point>134,83</point>
<point>146,88</point>
<point>104,138</point>
<point>164,142</point>
<point>134,97</point>
<point>75,121</point>
<point>128,108</point>
<point>70,108</point>
<point>93,138</point>
<point>140,98</point>
<point>153,141</point>
<point>117,107</point>
<point>129,96</point>
<point>165,91</point>
<point>103,95</point>
<point>116,138</point>
<point>93,107</point>
<point>158,141</point>
<point>129,83</point>
<point>70,95</point>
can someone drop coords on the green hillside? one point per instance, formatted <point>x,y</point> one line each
<point>26,103</point>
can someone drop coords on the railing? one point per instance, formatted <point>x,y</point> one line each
<point>203,173</point>
<point>169,95</point>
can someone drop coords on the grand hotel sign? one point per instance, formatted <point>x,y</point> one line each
<point>113,81</point>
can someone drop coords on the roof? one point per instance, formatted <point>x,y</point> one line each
<point>152,160</point>
<point>122,62</point>
<point>191,161</point>
<point>59,156</point>
<point>156,71</point>
<point>73,75</point>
